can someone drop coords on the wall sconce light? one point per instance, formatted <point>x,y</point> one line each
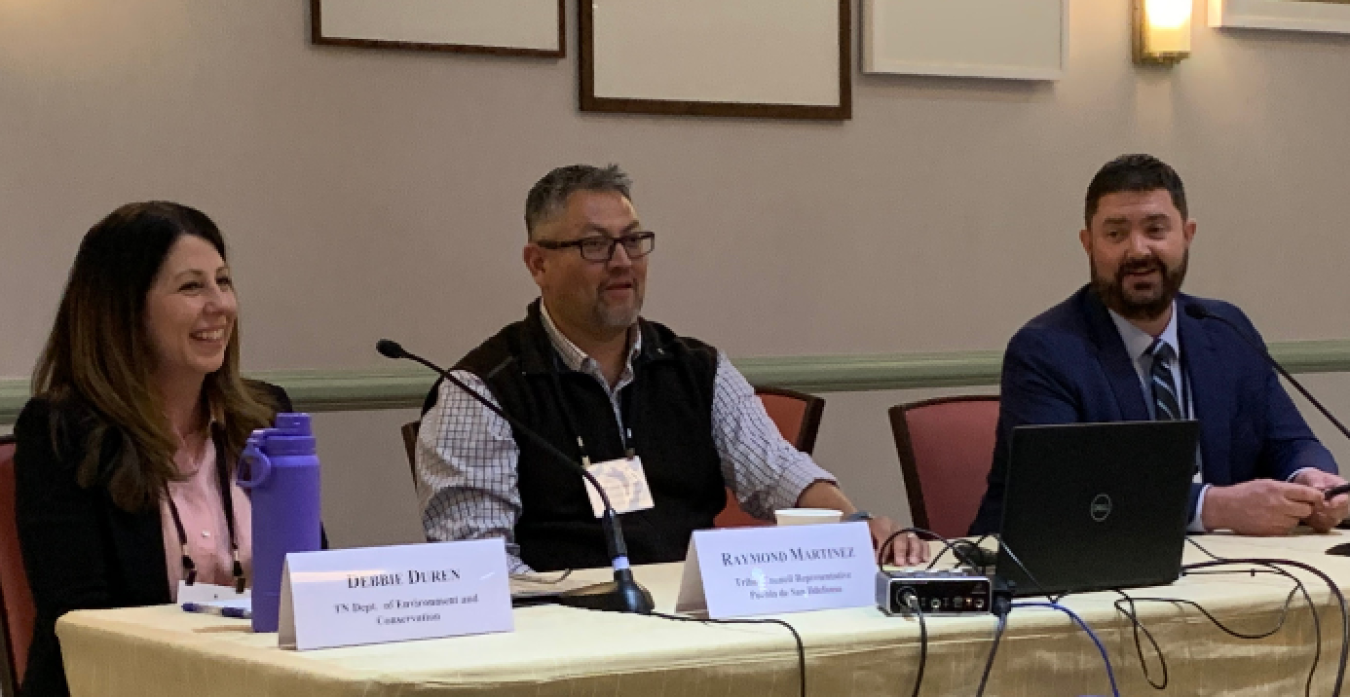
<point>1162,31</point>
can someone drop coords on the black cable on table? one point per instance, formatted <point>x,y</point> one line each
<point>955,545</point>
<point>1317,623</point>
<point>1133,615</point>
<point>883,552</point>
<point>1276,564</point>
<point>801,648</point>
<point>1312,608</point>
<point>913,602</point>
<point>1003,548</point>
<point>1316,618</point>
<point>1001,609</point>
<point>1138,626</point>
<point>1191,541</point>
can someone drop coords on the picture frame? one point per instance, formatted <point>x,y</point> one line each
<point>781,59</point>
<point>498,27</point>
<point>1326,16</point>
<point>1023,40</point>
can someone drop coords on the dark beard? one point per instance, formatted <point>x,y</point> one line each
<point>1112,290</point>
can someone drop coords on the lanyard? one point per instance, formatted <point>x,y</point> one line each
<point>1185,388</point>
<point>1186,410</point>
<point>227,501</point>
<point>625,432</point>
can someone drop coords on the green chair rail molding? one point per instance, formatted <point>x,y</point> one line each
<point>362,390</point>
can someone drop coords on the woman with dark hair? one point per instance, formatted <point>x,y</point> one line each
<point>125,457</point>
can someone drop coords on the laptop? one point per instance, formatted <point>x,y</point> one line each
<point>1097,506</point>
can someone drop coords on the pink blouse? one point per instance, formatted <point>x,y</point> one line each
<point>203,514</point>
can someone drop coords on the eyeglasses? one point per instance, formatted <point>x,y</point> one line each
<point>600,248</point>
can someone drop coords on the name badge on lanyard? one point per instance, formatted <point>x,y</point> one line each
<point>624,481</point>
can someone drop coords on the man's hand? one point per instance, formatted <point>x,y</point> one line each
<point>906,549</point>
<point>1326,514</point>
<point>1259,507</point>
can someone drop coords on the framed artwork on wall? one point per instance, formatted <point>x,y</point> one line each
<point>1022,40</point>
<point>752,58</point>
<point>1331,16</point>
<point>501,27</point>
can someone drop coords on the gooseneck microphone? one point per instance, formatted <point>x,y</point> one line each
<point>623,594</point>
<point>1201,312</point>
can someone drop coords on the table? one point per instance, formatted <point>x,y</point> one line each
<point>563,651</point>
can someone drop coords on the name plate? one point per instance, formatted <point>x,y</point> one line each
<point>380,594</point>
<point>738,572</point>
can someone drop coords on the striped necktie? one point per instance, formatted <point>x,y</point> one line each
<point>1166,407</point>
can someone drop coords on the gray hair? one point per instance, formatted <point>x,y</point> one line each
<point>549,195</point>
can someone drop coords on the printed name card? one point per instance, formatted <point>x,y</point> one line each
<point>737,572</point>
<point>380,594</point>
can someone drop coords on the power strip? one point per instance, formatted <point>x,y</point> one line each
<point>937,592</point>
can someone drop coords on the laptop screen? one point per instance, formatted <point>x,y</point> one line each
<point>1097,506</point>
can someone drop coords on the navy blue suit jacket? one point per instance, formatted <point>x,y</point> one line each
<point>1069,365</point>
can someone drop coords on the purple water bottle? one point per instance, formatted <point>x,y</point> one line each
<point>281,472</point>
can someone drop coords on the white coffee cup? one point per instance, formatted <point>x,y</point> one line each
<point>807,516</point>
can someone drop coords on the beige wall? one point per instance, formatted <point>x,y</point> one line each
<point>370,193</point>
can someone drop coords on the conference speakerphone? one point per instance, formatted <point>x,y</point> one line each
<point>948,592</point>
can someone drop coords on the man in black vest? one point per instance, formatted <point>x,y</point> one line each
<point>665,415</point>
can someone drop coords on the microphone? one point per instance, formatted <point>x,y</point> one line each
<point>623,594</point>
<point>1201,312</point>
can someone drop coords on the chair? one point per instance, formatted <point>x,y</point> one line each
<point>797,416</point>
<point>16,600</point>
<point>946,447</point>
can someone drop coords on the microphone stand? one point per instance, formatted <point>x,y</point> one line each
<point>1201,312</point>
<point>624,593</point>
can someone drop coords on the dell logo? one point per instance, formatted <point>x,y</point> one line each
<point>1101,508</point>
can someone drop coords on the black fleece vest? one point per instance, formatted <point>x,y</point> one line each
<point>668,408</point>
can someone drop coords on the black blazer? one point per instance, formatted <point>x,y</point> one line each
<point>80,550</point>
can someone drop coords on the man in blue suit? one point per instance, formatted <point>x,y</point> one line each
<point>1124,348</point>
